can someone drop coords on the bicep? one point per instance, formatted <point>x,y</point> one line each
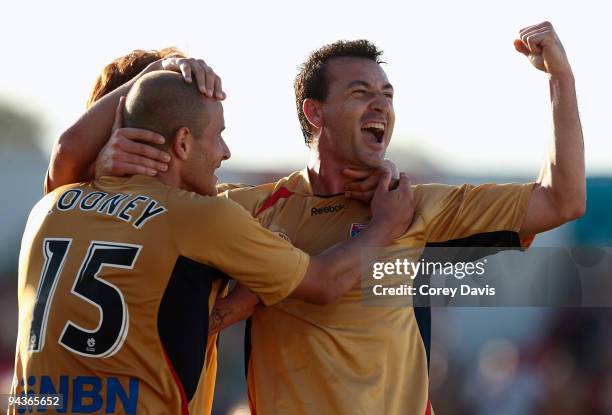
<point>541,214</point>
<point>459,212</point>
<point>229,239</point>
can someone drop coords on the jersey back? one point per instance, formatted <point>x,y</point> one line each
<point>117,279</point>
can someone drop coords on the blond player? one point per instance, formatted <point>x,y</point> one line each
<point>345,358</point>
<point>117,277</point>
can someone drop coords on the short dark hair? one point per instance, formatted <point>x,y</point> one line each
<point>161,101</point>
<point>311,80</point>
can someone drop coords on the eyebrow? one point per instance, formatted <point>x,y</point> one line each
<point>367,85</point>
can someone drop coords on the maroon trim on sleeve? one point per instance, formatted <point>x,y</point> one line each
<point>281,193</point>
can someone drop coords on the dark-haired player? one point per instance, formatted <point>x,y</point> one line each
<point>345,358</point>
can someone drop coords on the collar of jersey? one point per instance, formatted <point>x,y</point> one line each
<point>299,182</point>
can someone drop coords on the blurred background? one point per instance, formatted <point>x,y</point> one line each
<point>469,109</point>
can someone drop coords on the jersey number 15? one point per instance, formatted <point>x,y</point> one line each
<point>107,338</point>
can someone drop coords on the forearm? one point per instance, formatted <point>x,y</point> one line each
<point>237,306</point>
<point>77,148</point>
<point>337,270</point>
<point>564,173</point>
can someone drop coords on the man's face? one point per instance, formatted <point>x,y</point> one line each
<point>209,150</point>
<point>357,115</point>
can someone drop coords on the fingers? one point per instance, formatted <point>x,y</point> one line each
<point>365,180</point>
<point>357,174</point>
<point>185,69</point>
<point>118,121</point>
<point>141,149</point>
<point>135,159</point>
<point>405,185</point>
<point>206,78</point>
<point>394,184</point>
<point>383,182</point>
<point>534,38</point>
<point>404,189</point>
<point>141,134</point>
<point>531,37</point>
<point>208,82</point>
<point>364,197</point>
<point>355,187</point>
<point>219,94</point>
<point>521,47</point>
<point>388,164</point>
<point>202,75</point>
<point>122,155</point>
<point>125,169</point>
<point>361,186</point>
<point>531,28</point>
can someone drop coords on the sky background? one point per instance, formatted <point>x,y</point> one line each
<point>463,97</point>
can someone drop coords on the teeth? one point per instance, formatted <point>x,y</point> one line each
<point>376,125</point>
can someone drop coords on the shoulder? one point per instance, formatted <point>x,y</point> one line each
<point>186,201</point>
<point>253,197</point>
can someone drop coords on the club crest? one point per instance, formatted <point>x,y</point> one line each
<point>356,228</point>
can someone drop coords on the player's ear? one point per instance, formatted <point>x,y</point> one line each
<point>313,112</point>
<point>182,143</point>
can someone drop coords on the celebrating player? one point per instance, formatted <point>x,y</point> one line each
<point>345,358</point>
<point>117,276</point>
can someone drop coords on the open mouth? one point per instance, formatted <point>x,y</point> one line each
<point>376,130</point>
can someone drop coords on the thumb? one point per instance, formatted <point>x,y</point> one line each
<point>405,185</point>
<point>521,47</point>
<point>383,182</point>
<point>118,121</point>
<point>391,166</point>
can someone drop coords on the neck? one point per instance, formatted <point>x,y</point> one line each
<point>171,177</point>
<point>326,173</point>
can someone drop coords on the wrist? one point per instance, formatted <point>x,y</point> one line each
<point>564,77</point>
<point>379,232</point>
<point>154,66</point>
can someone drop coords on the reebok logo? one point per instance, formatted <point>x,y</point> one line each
<point>327,209</point>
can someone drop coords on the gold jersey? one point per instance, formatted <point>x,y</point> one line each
<point>346,358</point>
<point>117,279</point>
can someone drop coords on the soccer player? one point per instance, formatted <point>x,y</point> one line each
<point>117,276</point>
<point>345,358</point>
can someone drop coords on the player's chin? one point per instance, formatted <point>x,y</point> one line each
<point>213,186</point>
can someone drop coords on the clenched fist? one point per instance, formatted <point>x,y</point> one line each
<point>543,49</point>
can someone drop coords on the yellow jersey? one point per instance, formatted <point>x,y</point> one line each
<point>117,279</point>
<point>346,358</point>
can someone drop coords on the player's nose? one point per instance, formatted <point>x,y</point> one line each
<point>226,151</point>
<point>380,103</point>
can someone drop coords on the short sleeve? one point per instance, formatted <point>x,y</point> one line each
<point>222,187</point>
<point>454,212</point>
<point>251,198</point>
<point>220,233</point>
